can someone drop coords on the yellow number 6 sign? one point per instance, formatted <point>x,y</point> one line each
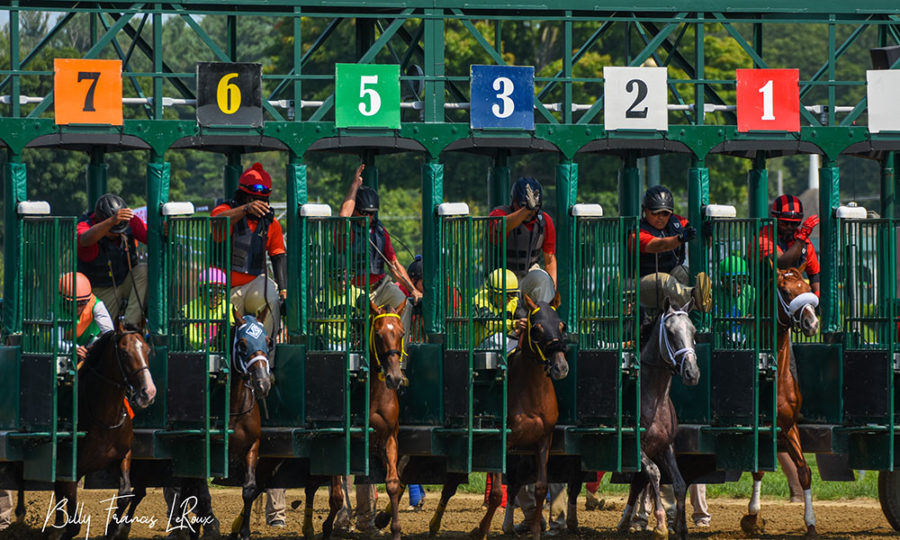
<point>228,94</point>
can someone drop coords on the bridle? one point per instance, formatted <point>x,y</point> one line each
<point>794,310</point>
<point>390,352</point>
<point>675,357</point>
<point>126,385</point>
<point>552,346</point>
<point>241,364</point>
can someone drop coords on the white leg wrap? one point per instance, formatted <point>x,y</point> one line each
<point>753,507</point>
<point>808,513</point>
<point>626,515</point>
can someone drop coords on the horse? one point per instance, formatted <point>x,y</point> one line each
<point>116,368</point>
<point>250,382</point>
<point>386,337</point>
<point>532,407</point>
<point>796,311</point>
<point>668,351</point>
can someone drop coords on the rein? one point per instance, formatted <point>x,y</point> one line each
<point>794,309</point>
<point>401,353</point>
<point>126,386</point>
<point>665,346</point>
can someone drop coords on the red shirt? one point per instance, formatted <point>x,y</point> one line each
<point>89,253</point>
<point>645,237</point>
<point>809,252</point>
<point>549,245</point>
<point>274,243</point>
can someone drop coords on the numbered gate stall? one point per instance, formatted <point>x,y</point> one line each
<point>39,400</point>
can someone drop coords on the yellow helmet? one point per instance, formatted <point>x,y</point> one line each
<point>496,278</point>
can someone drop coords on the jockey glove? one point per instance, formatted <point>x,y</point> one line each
<point>687,234</point>
<point>807,228</point>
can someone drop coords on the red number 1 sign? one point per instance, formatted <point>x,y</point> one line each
<point>768,99</point>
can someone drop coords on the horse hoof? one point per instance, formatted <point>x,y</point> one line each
<point>122,532</point>
<point>753,525</point>
<point>811,532</point>
<point>382,519</point>
<point>477,535</point>
<point>572,525</point>
<point>661,534</point>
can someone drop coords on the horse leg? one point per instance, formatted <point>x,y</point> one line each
<point>383,517</point>
<point>116,525</point>
<point>66,493</point>
<point>447,491</point>
<point>513,487</point>
<point>392,482</point>
<point>312,484</point>
<point>680,488</point>
<point>493,503</point>
<point>659,510</point>
<point>20,506</point>
<point>805,476</point>
<point>540,487</point>
<point>249,491</point>
<point>205,512</point>
<point>138,493</point>
<point>751,523</point>
<point>572,490</point>
<point>335,503</point>
<point>638,484</point>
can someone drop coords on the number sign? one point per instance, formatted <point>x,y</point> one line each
<point>229,94</point>
<point>884,108</point>
<point>768,99</point>
<point>367,95</point>
<point>87,91</point>
<point>502,97</point>
<point>635,98</point>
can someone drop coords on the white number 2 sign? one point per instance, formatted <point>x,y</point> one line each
<point>635,98</point>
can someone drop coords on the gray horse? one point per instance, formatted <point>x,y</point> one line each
<point>669,351</point>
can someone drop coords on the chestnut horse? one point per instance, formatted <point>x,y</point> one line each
<point>117,366</point>
<point>669,351</point>
<point>532,407</point>
<point>386,337</point>
<point>796,311</point>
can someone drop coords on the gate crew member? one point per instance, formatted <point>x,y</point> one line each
<point>107,239</point>
<point>663,235</point>
<point>363,201</point>
<point>792,247</point>
<point>529,230</point>
<point>255,232</point>
<point>93,319</point>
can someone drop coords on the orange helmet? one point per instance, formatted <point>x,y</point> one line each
<point>82,286</point>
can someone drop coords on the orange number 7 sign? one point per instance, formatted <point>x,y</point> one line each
<point>87,91</point>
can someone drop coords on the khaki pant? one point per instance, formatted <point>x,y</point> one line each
<point>251,298</point>
<point>656,287</point>
<point>644,506</point>
<point>6,508</point>
<point>113,296</point>
<point>274,504</point>
<point>558,501</point>
<point>387,293</point>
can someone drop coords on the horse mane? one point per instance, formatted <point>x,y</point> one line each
<point>95,351</point>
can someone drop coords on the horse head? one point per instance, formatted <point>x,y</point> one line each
<point>545,336</point>
<point>250,358</point>
<point>796,302</point>
<point>676,344</point>
<point>386,343</point>
<point>133,359</point>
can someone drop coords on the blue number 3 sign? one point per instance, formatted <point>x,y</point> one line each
<point>502,97</point>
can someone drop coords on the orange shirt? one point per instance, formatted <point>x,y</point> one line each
<point>274,243</point>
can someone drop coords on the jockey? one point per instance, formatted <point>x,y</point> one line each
<point>332,306</point>
<point>529,230</point>
<point>662,240</point>
<point>93,318</point>
<point>494,318</point>
<point>735,297</point>
<point>792,245</point>
<point>210,305</point>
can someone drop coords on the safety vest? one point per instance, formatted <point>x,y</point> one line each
<point>248,248</point>
<point>87,328</point>
<point>667,260</point>
<point>200,335</point>
<point>491,319</point>
<point>112,253</point>
<point>523,246</point>
<point>378,236</point>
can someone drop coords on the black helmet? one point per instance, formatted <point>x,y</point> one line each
<point>527,192</point>
<point>658,198</point>
<point>414,270</point>
<point>106,207</point>
<point>366,200</point>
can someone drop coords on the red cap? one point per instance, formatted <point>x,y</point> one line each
<point>256,181</point>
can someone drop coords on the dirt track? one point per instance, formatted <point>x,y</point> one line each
<point>861,518</point>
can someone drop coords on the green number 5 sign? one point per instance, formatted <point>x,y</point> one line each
<point>367,95</point>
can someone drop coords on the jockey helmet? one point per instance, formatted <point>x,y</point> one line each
<point>414,270</point>
<point>212,276</point>
<point>256,181</point>
<point>366,200</point>
<point>107,206</point>
<point>527,192</point>
<point>82,286</point>
<point>733,266</point>
<point>658,198</point>
<point>787,208</point>
<point>496,281</point>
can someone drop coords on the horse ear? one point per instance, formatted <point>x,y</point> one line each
<point>401,307</point>
<point>120,325</point>
<point>373,309</point>
<point>802,268</point>
<point>529,302</point>
<point>556,300</point>
<point>667,304</point>
<point>236,315</point>
<point>263,314</point>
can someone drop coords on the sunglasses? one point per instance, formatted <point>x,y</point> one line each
<point>82,303</point>
<point>257,188</point>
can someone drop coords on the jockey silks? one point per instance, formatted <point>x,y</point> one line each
<point>111,253</point>
<point>666,260</point>
<point>378,236</point>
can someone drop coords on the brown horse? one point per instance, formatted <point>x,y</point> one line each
<point>116,367</point>
<point>796,310</point>
<point>386,337</point>
<point>532,407</point>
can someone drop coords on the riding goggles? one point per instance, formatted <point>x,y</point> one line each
<point>662,213</point>
<point>790,216</point>
<point>257,188</point>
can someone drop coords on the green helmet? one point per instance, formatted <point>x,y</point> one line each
<point>733,266</point>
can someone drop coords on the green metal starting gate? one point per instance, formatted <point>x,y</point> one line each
<point>605,373</point>
<point>39,419</point>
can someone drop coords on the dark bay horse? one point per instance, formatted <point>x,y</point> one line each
<point>386,337</point>
<point>532,407</point>
<point>116,367</point>
<point>669,351</point>
<point>796,311</point>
